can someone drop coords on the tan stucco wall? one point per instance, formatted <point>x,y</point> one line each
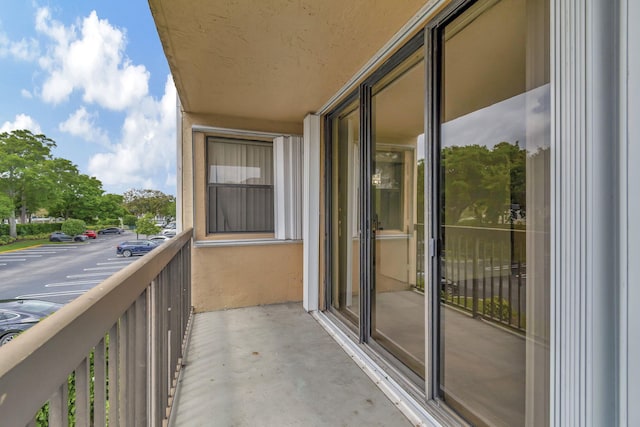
<point>242,276</point>
<point>186,163</point>
<point>233,276</point>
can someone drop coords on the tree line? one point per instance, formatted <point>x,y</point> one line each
<point>483,186</point>
<point>32,179</point>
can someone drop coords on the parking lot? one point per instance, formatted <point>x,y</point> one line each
<point>61,272</point>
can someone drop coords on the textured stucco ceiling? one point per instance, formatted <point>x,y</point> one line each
<point>272,60</point>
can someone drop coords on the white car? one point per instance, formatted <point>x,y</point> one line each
<point>169,232</point>
<point>159,239</point>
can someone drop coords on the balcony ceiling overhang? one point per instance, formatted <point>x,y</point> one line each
<point>271,60</point>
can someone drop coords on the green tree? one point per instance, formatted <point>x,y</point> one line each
<point>462,169</point>
<point>482,183</point>
<point>73,227</point>
<point>111,206</point>
<point>130,220</point>
<point>6,206</point>
<point>141,202</point>
<point>76,195</point>
<point>23,171</point>
<point>505,185</point>
<point>146,226</point>
<point>170,210</point>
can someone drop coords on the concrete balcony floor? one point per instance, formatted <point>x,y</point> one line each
<point>273,366</point>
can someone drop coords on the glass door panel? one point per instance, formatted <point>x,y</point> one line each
<point>398,300</point>
<point>494,217</point>
<point>345,241</point>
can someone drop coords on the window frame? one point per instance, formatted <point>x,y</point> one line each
<point>208,185</point>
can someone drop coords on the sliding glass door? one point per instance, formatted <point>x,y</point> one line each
<point>398,298</point>
<point>494,141</point>
<point>345,212</point>
<point>375,165</point>
<point>438,213</point>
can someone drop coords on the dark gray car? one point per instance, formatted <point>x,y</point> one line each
<point>18,315</point>
<point>110,230</point>
<point>59,236</point>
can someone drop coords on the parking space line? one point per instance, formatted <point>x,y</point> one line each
<point>49,250</point>
<point>72,276</point>
<point>52,294</point>
<point>12,259</point>
<point>20,256</point>
<point>111,267</point>
<point>115,262</point>
<point>50,247</point>
<point>76,283</point>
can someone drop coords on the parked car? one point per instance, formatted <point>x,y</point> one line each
<point>135,247</point>
<point>159,239</point>
<point>169,232</point>
<point>59,236</point>
<point>18,315</point>
<point>90,234</point>
<point>110,230</point>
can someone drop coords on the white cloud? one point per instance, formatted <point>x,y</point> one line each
<point>523,118</point>
<point>22,121</point>
<point>25,50</point>
<point>171,180</point>
<point>145,156</point>
<point>90,58</point>
<point>81,123</point>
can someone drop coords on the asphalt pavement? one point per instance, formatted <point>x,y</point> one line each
<point>61,272</point>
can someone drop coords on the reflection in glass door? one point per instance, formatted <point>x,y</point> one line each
<point>494,213</point>
<point>345,213</point>
<point>398,300</point>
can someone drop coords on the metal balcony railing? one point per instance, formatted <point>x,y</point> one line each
<point>110,357</point>
<point>483,272</point>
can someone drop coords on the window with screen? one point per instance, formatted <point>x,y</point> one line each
<point>239,186</point>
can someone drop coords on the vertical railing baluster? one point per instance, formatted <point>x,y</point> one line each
<point>465,271</point>
<point>164,351</point>
<point>501,282</point>
<point>457,267</point>
<point>154,402</point>
<point>124,374</point>
<point>140,357</point>
<point>113,372</point>
<point>484,278</point>
<point>82,393</point>
<point>58,407</point>
<point>99,385</point>
<point>493,275</point>
<point>519,294</point>
<point>475,278</point>
<point>511,280</point>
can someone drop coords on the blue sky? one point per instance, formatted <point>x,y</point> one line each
<point>92,76</point>
<point>524,118</point>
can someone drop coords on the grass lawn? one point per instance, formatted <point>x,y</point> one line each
<point>22,244</point>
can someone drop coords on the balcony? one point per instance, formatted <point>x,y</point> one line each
<point>110,357</point>
<point>116,356</point>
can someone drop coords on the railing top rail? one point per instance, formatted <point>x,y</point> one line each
<point>37,362</point>
<point>506,228</point>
